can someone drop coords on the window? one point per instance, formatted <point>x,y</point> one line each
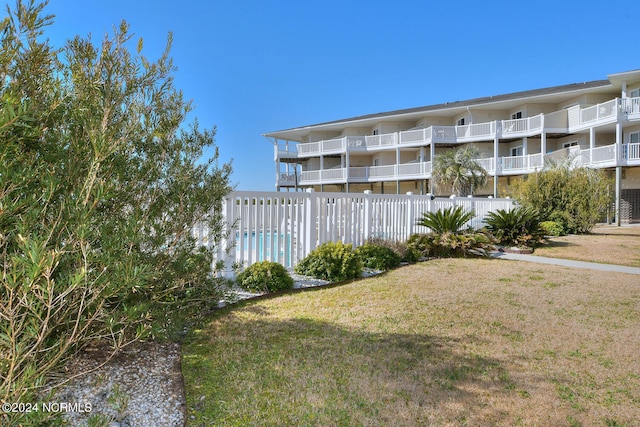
<point>376,161</point>
<point>634,93</point>
<point>516,115</point>
<point>460,122</point>
<point>634,138</point>
<point>376,131</point>
<point>569,144</point>
<point>517,151</point>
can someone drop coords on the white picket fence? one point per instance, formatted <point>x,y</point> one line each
<point>285,227</point>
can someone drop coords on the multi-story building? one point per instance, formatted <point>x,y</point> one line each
<point>596,124</point>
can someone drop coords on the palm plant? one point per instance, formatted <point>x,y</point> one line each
<point>459,170</point>
<point>446,220</point>
<point>518,227</point>
<point>447,237</point>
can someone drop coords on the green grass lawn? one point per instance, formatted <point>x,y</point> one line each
<point>605,244</point>
<point>446,342</point>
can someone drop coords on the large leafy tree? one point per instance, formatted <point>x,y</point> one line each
<point>101,183</point>
<point>458,171</point>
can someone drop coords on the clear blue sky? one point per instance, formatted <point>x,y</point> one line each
<point>252,67</point>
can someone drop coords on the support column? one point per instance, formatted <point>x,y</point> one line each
<point>618,171</point>
<point>432,154</point>
<point>496,160</point>
<point>347,161</point>
<point>592,143</point>
<point>421,180</point>
<point>543,140</point>
<point>618,194</point>
<point>276,157</point>
<point>321,173</point>
<point>397,170</point>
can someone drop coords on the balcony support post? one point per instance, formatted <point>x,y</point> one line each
<point>397,170</point>
<point>321,173</point>
<point>618,194</point>
<point>276,156</point>
<point>618,170</point>
<point>496,140</point>
<point>432,155</point>
<point>592,143</point>
<point>346,172</point>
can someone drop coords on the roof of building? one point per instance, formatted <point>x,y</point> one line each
<point>449,107</point>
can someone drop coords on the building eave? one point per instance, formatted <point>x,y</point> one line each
<point>448,108</point>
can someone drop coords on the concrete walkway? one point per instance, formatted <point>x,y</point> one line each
<point>567,263</point>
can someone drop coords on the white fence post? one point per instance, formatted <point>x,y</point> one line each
<point>311,223</point>
<point>285,228</point>
<point>410,215</point>
<point>228,243</point>
<point>367,215</point>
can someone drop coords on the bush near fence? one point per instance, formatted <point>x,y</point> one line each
<point>286,227</point>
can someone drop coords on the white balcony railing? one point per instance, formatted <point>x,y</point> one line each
<point>605,156</point>
<point>415,136</point>
<point>558,121</point>
<point>599,112</point>
<point>310,148</point>
<point>630,105</point>
<point>522,127</point>
<point>355,143</point>
<point>359,174</point>
<point>381,141</point>
<point>488,164</point>
<point>522,164</point>
<point>632,152</point>
<point>287,180</point>
<point>386,171</point>
<point>332,145</point>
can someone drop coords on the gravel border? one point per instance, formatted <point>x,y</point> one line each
<point>141,386</point>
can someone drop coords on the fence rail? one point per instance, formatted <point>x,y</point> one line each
<point>286,227</point>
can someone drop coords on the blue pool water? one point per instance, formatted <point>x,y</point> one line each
<point>266,241</point>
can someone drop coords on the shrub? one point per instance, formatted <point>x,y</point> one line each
<point>403,250</point>
<point>517,227</point>
<point>552,228</point>
<point>446,220</point>
<point>378,257</point>
<point>448,244</point>
<point>333,261</point>
<point>576,197</point>
<point>101,182</point>
<point>421,244</point>
<point>264,276</point>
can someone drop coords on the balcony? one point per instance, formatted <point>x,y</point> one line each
<point>599,157</point>
<point>516,165</point>
<point>406,171</point>
<point>570,120</point>
<point>520,128</point>
<point>609,156</point>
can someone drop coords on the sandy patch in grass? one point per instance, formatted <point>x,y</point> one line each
<point>448,342</point>
<point>606,244</point>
